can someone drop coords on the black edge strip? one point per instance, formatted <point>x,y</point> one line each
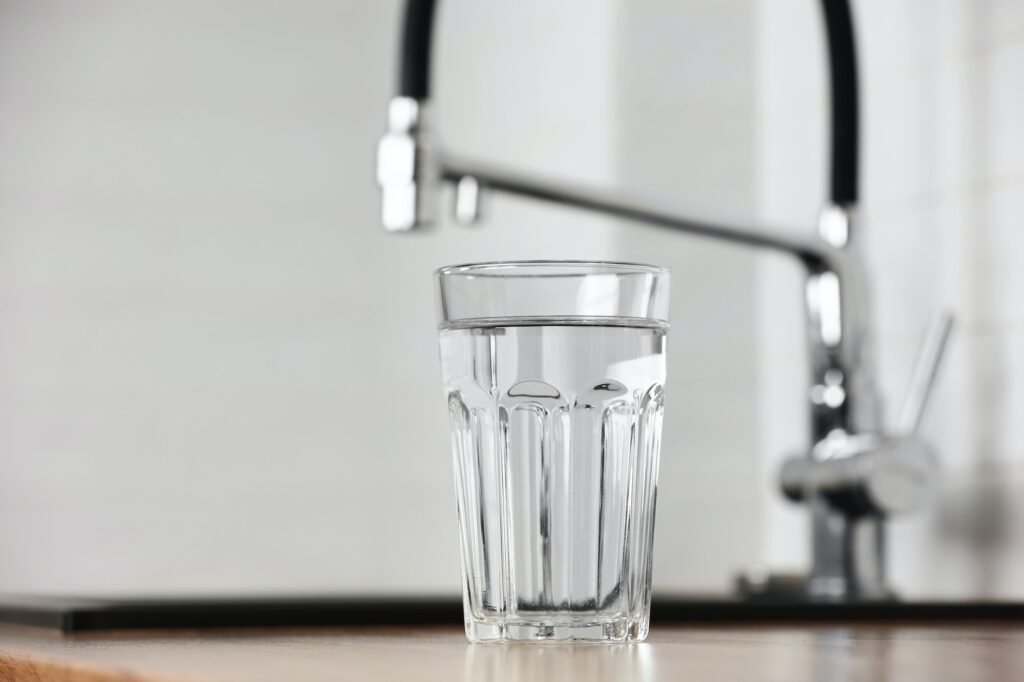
<point>71,615</point>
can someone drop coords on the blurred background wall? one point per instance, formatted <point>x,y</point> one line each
<point>217,374</point>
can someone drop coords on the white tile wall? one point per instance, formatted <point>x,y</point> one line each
<point>203,351</point>
<point>206,341</point>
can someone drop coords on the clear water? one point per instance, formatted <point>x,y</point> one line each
<point>556,431</point>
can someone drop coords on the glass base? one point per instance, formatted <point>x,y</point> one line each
<point>556,630</point>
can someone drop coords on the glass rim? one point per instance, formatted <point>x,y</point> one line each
<point>570,268</point>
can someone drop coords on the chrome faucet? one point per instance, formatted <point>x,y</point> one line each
<point>855,474</point>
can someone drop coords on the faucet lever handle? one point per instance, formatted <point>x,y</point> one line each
<point>926,367</point>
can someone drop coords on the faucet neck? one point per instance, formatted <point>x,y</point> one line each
<point>415,70</point>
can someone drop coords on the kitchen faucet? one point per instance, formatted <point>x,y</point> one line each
<point>856,473</point>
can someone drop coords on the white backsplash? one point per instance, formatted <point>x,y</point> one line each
<point>217,372</point>
<point>206,341</point>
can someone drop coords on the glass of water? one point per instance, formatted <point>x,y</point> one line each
<point>554,373</point>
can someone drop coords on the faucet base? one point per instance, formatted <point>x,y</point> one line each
<point>781,588</point>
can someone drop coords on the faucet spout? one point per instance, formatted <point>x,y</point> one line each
<point>405,172</point>
<point>404,152</point>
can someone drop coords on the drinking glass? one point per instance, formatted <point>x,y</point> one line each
<point>553,372</point>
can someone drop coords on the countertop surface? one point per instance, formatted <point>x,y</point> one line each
<point>962,652</point>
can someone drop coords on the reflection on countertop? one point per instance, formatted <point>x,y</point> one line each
<point>878,652</point>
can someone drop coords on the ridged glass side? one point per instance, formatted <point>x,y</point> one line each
<point>556,437</point>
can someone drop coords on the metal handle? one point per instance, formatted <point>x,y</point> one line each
<point>922,380</point>
<point>868,475</point>
<point>877,473</point>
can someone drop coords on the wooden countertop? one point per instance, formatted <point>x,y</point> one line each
<point>875,653</point>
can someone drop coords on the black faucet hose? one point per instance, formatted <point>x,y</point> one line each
<point>417,33</point>
<point>842,59</point>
